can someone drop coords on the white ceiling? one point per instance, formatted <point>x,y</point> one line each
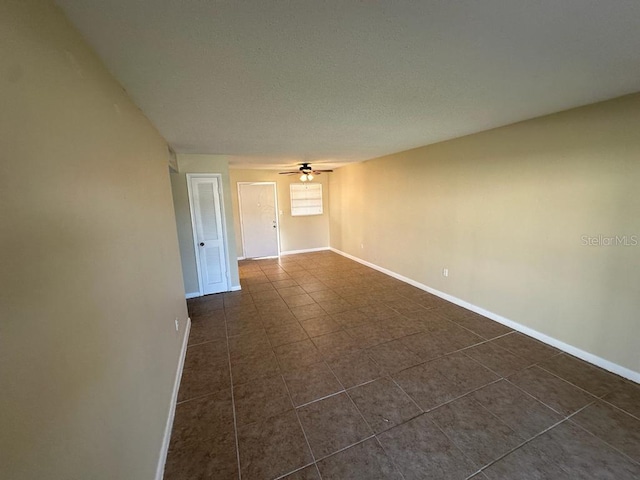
<point>275,82</point>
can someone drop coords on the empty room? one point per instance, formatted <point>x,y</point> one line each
<point>319,240</point>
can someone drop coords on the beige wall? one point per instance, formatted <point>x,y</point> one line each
<point>296,233</point>
<point>201,164</point>
<point>505,211</point>
<point>90,280</point>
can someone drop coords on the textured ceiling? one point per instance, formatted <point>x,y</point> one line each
<point>276,82</point>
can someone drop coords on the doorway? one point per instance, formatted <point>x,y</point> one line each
<point>209,235</point>
<point>259,219</point>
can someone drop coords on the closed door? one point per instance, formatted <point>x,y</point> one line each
<point>258,218</point>
<point>208,234</point>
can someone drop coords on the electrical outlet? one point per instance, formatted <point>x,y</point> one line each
<point>445,272</point>
<point>177,324</point>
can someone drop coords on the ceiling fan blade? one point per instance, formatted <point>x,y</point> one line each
<point>321,171</point>
<point>289,173</point>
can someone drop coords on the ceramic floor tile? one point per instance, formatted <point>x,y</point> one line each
<point>369,335</point>
<point>463,371</point>
<point>243,326</point>
<point>196,382</point>
<point>250,367</point>
<point>290,291</point>
<point>420,450</point>
<point>554,392</point>
<point>480,435</point>
<point>335,344</point>
<point>526,347</point>
<point>355,369</point>
<point>299,300</point>
<point>350,318</point>
<point>526,463</point>
<point>298,354</point>
<point>272,447</point>
<point>251,343</point>
<point>306,473</point>
<point>383,404</point>
<point>324,295</point>
<point>584,456</point>
<point>617,428</point>
<point>332,424</point>
<point>426,386</point>
<point>287,333</point>
<point>588,377</point>
<point>261,398</point>
<point>497,359</point>
<point>214,458</point>
<point>265,296</point>
<point>320,326</point>
<point>305,312</point>
<point>482,326</point>
<point>519,410</point>
<point>626,397</point>
<point>201,418</point>
<point>205,330</point>
<point>364,461</point>
<point>393,356</point>
<point>335,305</point>
<point>311,382</point>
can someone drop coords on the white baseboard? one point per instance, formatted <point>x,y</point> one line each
<point>192,295</point>
<point>240,258</point>
<point>565,347</point>
<point>306,250</point>
<point>172,407</point>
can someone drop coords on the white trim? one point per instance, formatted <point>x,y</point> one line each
<point>306,250</point>
<point>235,288</point>
<point>275,202</point>
<point>565,347</point>
<point>192,295</point>
<point>241,258</point>
<point>172,407</point>
<point>223,222</point>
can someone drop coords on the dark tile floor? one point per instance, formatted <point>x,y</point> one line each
<point>321,368</point>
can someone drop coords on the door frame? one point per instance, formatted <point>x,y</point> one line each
<point>275,196</point>
<point>223,221</point>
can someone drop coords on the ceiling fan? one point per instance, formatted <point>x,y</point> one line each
<point>306,172</point>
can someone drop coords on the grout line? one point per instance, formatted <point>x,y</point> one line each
<point>637,462</point>
<point>233,404</point>
<point>616,407</point>
<point>324,265</point>
<point>346,448</point>
<point>565,380</point>
<point>566,418</point>
<point>321,398</point>
<point>295,471</point>
<point>391,459</point>
<point>306,439</point>
<point>534,397</point>
<point>410,397</point>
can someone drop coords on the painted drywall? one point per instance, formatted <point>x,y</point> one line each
<point>507,212</point>
<point>201,164</point>
<point>90,280</point>
<point>296,233</point>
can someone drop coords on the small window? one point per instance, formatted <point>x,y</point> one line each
<point>306,199</point>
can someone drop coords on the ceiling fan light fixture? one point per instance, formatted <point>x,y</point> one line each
<point>306,177</point>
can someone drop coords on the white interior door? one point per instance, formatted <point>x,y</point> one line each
<point>209,239</point>
<point>259,219</point>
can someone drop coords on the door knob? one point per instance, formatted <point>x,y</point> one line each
<point>202,244</point>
